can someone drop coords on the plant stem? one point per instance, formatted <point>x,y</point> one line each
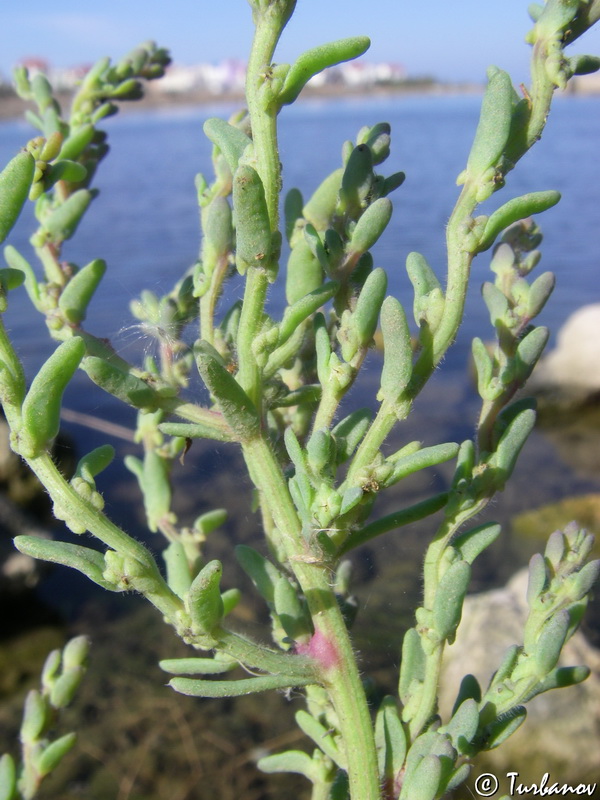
<point>331,398</point>
<point>334,659</point>
<point>67,502</point>
<point>48,254</point>
<point>431,578</point>
<point>269,22</point>
<point>378,432</point>
<point>338,669</point>
<point>459,266</point>
<point>255,294</point>
<point>11,400</point>
<point>208,302</point>
<point>429,692</point>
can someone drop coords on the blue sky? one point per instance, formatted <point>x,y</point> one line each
<point>451,40</point>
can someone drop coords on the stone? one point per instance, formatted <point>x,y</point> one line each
<point>570,374</point>
<point>18,572</point>
<point>561,734</point>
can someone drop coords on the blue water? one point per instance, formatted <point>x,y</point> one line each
<point>145,223</point>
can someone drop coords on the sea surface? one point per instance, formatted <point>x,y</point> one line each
<point>144,223</point>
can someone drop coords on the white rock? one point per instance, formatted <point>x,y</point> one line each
<point>575,362</point>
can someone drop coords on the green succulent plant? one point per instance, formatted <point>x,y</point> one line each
<point>276,386</point>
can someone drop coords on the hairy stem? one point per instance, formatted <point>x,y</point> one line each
<point>269,24</point>
<point>255,294</point>
<point>338,668</point>
<point>208,302</point>
<point>68,501</point>
<point>334,657</point>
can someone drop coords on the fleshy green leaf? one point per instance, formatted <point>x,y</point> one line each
<point>349,432</point>
<point>559,678</point>
<point>550,642</point>
<point>390,739</point>
<point>123,385</point>
<point>235,405</point>
<point>495,119</point>
<point>53,754</point>
<point>262,572</point>
<point>252,226</point>
<point>424,781</point>
<point>179,576</point>
<point>368,306</point>
<point>370,226</point>
<point>35,717</point>
<point>197,666</point>
<point>357,181</point>
<point>469,688</point>
<point>517,422</point>
<point>300,310</point>
<point>473,542</point>
<point>538,578</point>
<point>504,726</point>
<point>304,272</point>
<point>62,223</point>
<point>295,761</point>
<point>293,205</point>
<point>320,736</point>
<point>15,182</point>
<point>464,722</point>
<point>449,598</point>
<point>83,559</point>
<point>397,351</point>
<point>218,688</point>
<point>42,404</point>
<point>76,295</point>
<point>321,206</point>
<point>412,666</point>
<point>514,210</point>
<point>230,140</point>
<point>289,609</point>
<point>426,457</point>
<point>203,599</point>
<point>316,60</point>
<point>8,778</point>
<point>198,430</point>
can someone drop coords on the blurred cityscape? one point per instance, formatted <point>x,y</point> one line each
<point>226,77</point>
<point>206,81</point>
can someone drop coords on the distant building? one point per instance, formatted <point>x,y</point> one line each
<point>34,65</point>
<point>63,79</point>
<point>365,73</point>
<point>228,76</point>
